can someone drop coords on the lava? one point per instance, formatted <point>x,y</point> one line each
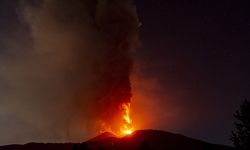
<point>126,126</point>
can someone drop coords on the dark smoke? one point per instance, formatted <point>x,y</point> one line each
<point>74,73</point>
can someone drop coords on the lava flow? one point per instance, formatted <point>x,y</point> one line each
<point>125,122</point>
<point>126,126</point>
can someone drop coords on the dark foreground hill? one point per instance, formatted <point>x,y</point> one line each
<point>139,140</point>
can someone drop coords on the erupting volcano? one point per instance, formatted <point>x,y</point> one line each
<point>118,28</point>
<point>127,126</point>
<point>71,70</point>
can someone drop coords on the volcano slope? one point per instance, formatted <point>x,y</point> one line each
<point>139,140</point>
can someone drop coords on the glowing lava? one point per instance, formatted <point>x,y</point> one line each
<point>126,126</point>
<point>127,132</point>
<point>124,122</point>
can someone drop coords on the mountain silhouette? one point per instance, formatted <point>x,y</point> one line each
<point>103,136</point>
<point>139,140</point>
<point>155,140</point>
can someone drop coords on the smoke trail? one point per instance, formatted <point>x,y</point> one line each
<point>99,34</point>
<point>117,23</point>
<point>75,74</point>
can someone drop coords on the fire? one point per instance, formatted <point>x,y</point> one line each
<point>126,126</point>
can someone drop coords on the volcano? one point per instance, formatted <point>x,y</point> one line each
<point>139,140</point>
<point>153,140</point>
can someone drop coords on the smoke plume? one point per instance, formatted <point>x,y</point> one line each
<point>69,77</point>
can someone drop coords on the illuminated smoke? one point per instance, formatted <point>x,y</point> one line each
<point>97,37</point>
<point>74,74</point>
<point>99,34</point>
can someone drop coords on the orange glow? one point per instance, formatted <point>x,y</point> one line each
<point>126,126</point>
<point>127,132</point>
<point>123,122</point>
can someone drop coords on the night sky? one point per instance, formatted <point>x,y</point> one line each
<point>199,52</point>
<point>192,66</point>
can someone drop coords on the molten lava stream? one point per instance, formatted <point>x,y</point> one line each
<point>125,123</point>
<point>126,126</point>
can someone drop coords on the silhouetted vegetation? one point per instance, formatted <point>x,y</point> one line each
<point>241,134</point>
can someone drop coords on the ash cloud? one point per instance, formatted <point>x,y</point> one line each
<point>66,70</point>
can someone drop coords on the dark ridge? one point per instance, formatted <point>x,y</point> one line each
<point>39,146</point>
<point>155,140</point>
<point>139,140</point>
<point>102,136</point>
